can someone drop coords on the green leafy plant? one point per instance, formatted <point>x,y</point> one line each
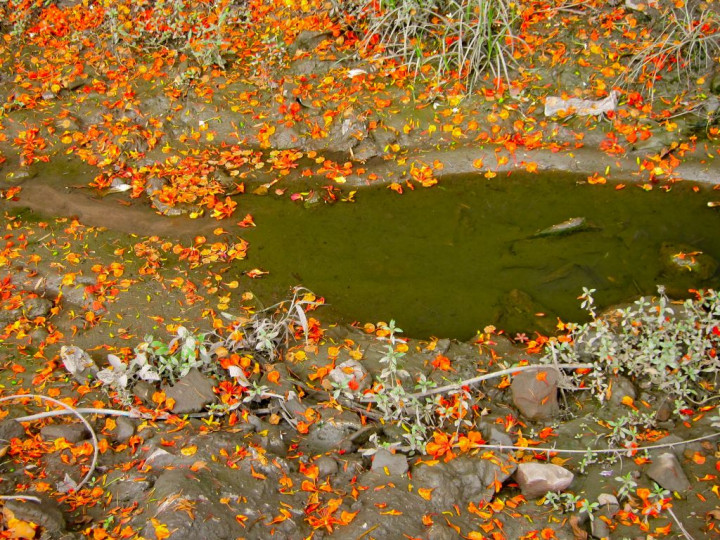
<point>153,360</point>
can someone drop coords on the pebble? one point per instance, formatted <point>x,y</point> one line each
<point>392,464</point>
<point>72,433</point>
<point>534,393</point>
<point>537,479</point>
<point>191,393</point>
<point>668,473</point>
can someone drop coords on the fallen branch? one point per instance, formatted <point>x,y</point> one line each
<point>459,385</point>
<point>596,450</point>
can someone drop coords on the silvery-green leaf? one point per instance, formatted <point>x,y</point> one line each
<point>238,374</point>
<point>75,359</point>
<point>116,363</point>
<point>148,373</point>
<point>106,376</point>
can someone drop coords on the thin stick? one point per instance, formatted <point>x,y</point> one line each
<point>480,378</point>
<point>686,534</point>
<point>596,450</point>
<point>32,498</point>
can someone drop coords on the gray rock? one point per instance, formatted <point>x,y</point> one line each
<point>283,384</point>
<point>78,363</point>
<point>565,228</point>
<point>609,506</point>
<point>333,432</point>
<point>10,429</point>
<point>462,479</point>
<point>191,393</point>
<point>327,466</point>
<point>274,439</point>
<point>438,531</point>
<point>499,437</point>
<point>536,479</point>
<point>47,514</point>
<point>391,464</point>
<point>38,335</point>
<point>307,40</point>
<point>518,314</point>
<point>9,315</point>
<point>580,107</point>
<point>127,486</point>
<point>295,407</point>
<point>535,393</point>
<point>144,390</point>
<point>678,449</point>
<point>667,472</point>
<point>36,307</point>
<point>124,429</point>
<point>72,433</point>
<point>201,492</point>
<point>621,387</point>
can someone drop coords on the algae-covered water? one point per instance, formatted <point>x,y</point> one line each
<point>443,261</point>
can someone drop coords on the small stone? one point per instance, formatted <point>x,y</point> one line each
<point>464,478</point>
<point>191,393</point>
<point>36,307</point>
<point>667,472</point>
<point>684,259</point>
<point>499,437</point>
<point>608,500</point>
<point>273,440</point>
<point>332,432</point>
<point>38,335</point>
<point>295,407</point>
<point>392,464</point>
<point>535,393</point>
<point>160,458</point>
<point>609,506</point>
<point>621,387</point>
<point>580,107</point>
<point>127,486</point>
<point>72,433</point>
<point>537,479</point>
<point>438,531</point>
<point>664,411</point>
<point>144,390</point>
<point>124,429</point>
<point>599,529</point>
<point>10,429</point>
<point>327,466</point>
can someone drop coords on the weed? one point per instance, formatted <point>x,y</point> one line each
<point>269,331</point>
<point>670,349</point>
<point>687,42</point>
<point>469,38</point>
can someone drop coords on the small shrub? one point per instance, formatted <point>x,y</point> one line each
<point>269,331</point>
<point>670,349</point>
